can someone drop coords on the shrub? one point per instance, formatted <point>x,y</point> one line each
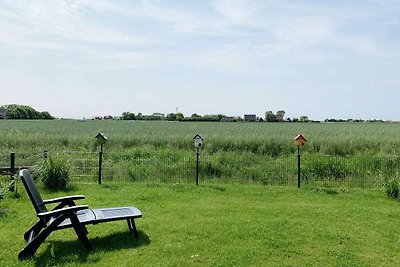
<point>325,168</point>
<point>54,173</point>
<point>392,188</point>
<point>2,190</point>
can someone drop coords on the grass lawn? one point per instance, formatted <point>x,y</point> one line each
<point>217,225</point>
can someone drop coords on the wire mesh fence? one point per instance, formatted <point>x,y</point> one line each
<point>369,172</point>
<point>4,167</point>
<point>351,171</point>
<point>4,161</point>
<point>181,168</point>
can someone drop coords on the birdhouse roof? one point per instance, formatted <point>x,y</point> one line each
<point>101,135</point>
<point>300,136</point>
<point>197,136</point>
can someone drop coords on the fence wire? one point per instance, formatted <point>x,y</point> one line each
<point>369,172</point>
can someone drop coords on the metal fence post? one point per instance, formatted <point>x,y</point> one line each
<point>197,167</point>
<point>100,161</point>
<point>298,167</point>
<point>12,172</point>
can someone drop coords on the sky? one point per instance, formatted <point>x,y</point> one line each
<point>85,58</point>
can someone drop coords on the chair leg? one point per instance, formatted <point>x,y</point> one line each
<point>36,228</point>
<point>85,229</point>
<point>30,249</point>
<point>132,228</point>
<point>80,231</point>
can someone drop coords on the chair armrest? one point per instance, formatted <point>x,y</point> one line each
<point>61,211</point>
<point>63,199</point>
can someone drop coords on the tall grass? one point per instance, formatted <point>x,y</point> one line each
<point>272,139</point>
<point>260,152</point>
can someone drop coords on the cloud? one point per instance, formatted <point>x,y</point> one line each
<point>180,20</point>
<point>59,24</point>
<point>282,44</point>
<point>237,12</point>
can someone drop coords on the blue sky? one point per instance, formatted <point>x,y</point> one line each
<point>323,59</point>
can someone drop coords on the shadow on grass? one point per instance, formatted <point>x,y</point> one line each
<point>68,189</point>
<point>73,252</point>
<point>215,187</point>
<point>3,212</point>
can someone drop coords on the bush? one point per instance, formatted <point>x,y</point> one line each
<point>392,188</point>
<point>2,190</point>
<point>54,173</point>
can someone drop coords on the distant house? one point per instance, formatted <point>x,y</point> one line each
<point>250,117</point>
<point>2,113</point>
<point>108,117</point>
<point>157,114</point>
<point>228,119</point>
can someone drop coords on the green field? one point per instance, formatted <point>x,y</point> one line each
<point>262,138</point>
<point>232,218</point>
<point>347,154</point>
<point>217,225</point>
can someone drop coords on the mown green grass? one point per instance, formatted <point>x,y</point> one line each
<point>218,225</point>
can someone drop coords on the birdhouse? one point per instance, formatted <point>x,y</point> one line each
<point>101,138</point>
<point>300,140</point>
<point>198,141</point>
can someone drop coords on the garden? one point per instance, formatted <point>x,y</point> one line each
<point>229,219</point>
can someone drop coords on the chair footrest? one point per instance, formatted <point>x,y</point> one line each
<point>113,214</point>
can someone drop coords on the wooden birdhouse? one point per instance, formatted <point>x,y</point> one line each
<point>101,138</point>
<point>198,141</point>
<point>300,140</point>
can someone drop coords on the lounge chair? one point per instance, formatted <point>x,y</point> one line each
<point>67,214</point>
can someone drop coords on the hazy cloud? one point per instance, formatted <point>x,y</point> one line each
<point>148,49</point>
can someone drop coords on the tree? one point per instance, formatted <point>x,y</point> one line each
<point>179,116</point>
<point>220,117</point>
<point>304,119</point>
<point>157,116</point>
<point>171,117</point>
<point>270,116</point>
<point>195,115</point>
<point>46,115</point>
<point>21,112</point>
<point>128,116</point>
<point>280,115</point>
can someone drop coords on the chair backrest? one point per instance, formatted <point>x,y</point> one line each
<point>33,193</point>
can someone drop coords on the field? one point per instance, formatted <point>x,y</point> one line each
<point>272,139</point>
<point>337,154</point>
<point>217,225</point>
<point>231,218</point>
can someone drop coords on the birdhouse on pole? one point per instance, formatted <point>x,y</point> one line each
<point>300,140</point>
<point>101,138</point>
<point>198,141</point>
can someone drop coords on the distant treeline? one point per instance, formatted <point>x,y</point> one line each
<point>270,116</point>
<point>21,112</point>
<point>24,112</point>
<point>279,116</point>
<point>352,120</point>
<point>177,117</point>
